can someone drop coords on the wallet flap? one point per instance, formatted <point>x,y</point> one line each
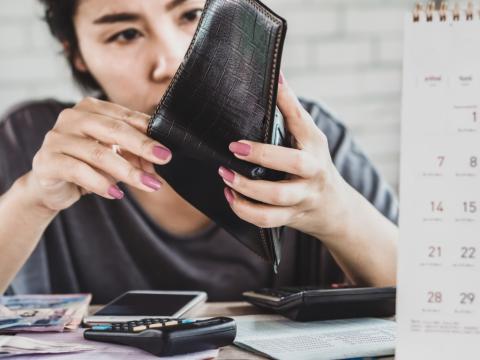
<point>224,91</point>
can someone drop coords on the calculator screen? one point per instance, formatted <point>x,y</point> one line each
<point>133,304</point>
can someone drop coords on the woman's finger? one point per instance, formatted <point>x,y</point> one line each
<point>111,131</point>
<point>84,176</point>
<point>278,193</point>
<point>116,132</point>
<point>139,162</point>
<point>261,215</point>
<point>292,161</point>
<point>134,118</point>
<point>147,166</point>
<point>131,158</point>
<point>102,157</point>
<point>299,123</point>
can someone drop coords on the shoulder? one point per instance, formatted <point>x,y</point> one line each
<point>321,114</point>
<point>324,117</point>
<point>351,162</point>
<point>33,113</point>
<point>25,124</point>
<point>22,130</point>
<point>327,121</point>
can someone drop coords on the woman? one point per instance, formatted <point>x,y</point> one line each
<point>76,216</point>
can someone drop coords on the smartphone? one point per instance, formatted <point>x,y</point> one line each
<point>137,305</point>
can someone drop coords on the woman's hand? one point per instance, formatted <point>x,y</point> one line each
<point>314,198</point>
<point>78,155</point>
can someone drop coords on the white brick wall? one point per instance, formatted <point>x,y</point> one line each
<point>346,53</point>
<point>30,64</point>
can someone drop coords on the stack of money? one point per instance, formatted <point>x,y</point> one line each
<point>38,313</point>
<point>17,345</point>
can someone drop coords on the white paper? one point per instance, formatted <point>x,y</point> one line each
<point>107,351</point>
<point>281,338</point>
<point>18,345</point>
<point>438,277</point>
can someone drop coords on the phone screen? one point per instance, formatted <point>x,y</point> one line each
<point>134,304</point>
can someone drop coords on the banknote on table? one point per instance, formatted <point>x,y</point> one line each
<point>38,313</point>
<point>8,318</point>
<point>77,314</point>
<point>18,345</point>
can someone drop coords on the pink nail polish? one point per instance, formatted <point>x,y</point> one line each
<point>226,174</point>
<point>115,192</point>
<point>281,78</point>
<point>150,181</point>
<point>240,148</point>
<point>161,152</point>
<point>229,195</point>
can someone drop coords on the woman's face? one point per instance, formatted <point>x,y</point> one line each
<point>133,47</point>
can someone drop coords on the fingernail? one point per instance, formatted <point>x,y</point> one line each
<point>229,195</point>
<point>240,148</point>
<point>281,79</point>
<point>226,174</point>
<point>115,192</point>
<point>161,152</point>
<point>150,181</point>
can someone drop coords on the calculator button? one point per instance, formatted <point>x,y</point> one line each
<point>102,327</point>
<point>139,328</point>
<point>171,322</point>
<point>155,326</point>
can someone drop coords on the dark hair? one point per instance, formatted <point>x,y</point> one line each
<point>59,17</point>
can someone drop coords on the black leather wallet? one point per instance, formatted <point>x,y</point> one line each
<point>225,90</point>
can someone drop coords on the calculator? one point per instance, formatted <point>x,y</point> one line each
<point>167,336</point>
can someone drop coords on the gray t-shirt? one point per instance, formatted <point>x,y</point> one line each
<point>106,247</point>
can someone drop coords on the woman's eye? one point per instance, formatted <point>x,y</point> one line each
<point>192,16</point>
<point>125,36</point>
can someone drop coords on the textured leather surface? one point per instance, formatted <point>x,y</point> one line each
<point>224,91</point>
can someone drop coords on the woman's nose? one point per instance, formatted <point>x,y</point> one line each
<point>168,54</point>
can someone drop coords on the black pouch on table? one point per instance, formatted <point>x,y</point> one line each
<point>310,303</point>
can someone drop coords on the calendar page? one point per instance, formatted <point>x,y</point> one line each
<point>438,301</point>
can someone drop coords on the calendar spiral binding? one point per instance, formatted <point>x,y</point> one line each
<point>429,12</point>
